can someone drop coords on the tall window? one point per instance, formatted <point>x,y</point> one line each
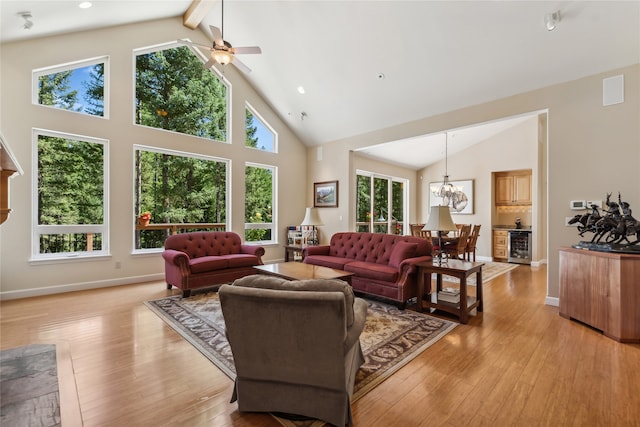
<point>259,203</point>
<point>180,192</point>
<point>381,203</point>
<point>174,92</point>
<point>258,134</point>
<point>80,87</point>
<point>70,210</point>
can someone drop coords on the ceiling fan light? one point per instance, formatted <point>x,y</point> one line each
<point>222,57</point>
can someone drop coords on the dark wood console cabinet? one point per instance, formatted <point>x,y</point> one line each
<point>602,289</point>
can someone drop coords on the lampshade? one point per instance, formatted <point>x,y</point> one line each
<point>311,217</point>
<point>440,219</point>
<point>222,57</point>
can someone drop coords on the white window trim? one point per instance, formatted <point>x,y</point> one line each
<point>203,58</point>
<point>265,124</point>
<point>45,71</point>
<point>273,226</point>
<point>228,187</point>
<point>37,229</point>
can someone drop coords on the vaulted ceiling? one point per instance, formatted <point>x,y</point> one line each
<point>367,65</point>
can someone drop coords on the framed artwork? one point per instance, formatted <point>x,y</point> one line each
<point>325,194</point>
<point>465,186</point>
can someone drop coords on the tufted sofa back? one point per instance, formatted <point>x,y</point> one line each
<point>372,247</point>
<point>205,243</point>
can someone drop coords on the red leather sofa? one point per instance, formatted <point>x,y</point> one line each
<point>383,264</point>
<point>205,259</point>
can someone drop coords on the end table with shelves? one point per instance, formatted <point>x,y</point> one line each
<point>455,268</point>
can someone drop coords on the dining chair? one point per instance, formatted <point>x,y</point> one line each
<point>458,247</point>
<point>472,242</point>
<point>417,231</point>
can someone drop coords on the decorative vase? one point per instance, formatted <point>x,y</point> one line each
<point>144,221</point>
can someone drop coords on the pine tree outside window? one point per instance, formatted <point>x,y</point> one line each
<point>79,87</point>
<point>178,188</point>
<point>259,212</point>
<point>259,134</point>
<point>175,93</point>
<point>70,214</point>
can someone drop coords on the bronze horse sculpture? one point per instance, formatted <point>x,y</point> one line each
<point>615,226</point>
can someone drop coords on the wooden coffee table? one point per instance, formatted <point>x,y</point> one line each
<point>302,271</point>
<point>458,269</point>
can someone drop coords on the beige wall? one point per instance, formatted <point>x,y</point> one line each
<point>592,150</point>
<point>19,276</point>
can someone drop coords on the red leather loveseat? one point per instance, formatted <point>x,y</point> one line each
<point>383,264</point>
<point>204,259</point>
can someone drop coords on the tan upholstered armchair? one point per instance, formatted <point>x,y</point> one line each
<point>295,345</point>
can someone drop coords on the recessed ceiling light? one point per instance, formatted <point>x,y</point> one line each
<point>301,89</point>
<point>85,5</point>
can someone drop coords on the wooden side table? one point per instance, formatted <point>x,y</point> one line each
<point>459,269</point>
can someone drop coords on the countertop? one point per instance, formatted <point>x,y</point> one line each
<point>526,228</point>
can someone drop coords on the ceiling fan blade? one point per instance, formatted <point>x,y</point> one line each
<point>217,35</point>
<point>247,50</point>
<point>240,65</point>
<point>187,42</point>
<point>209,63</point>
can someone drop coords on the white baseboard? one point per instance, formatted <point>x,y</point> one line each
<point>553,301</point>
<point>50,290</point>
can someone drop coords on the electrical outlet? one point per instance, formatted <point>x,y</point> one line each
<point>118,264</point>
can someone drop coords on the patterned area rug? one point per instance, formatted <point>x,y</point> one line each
<point>29,386</point>
<point>391,337</point>
<point>490,270</point>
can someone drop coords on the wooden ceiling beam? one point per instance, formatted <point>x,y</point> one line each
<point>196,13</point>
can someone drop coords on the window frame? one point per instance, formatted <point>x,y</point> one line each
<point>214,70</point>
<point>37,229</point>
<point>405,202</point>
<point>171,152</point>
<point>273,225</point>
<point>68,66</point>
<point>264,123</point>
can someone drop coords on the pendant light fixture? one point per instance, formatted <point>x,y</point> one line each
<point>451,196</point>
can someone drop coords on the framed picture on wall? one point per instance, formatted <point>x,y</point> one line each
<point>325,194</point>
<point>465,186</point>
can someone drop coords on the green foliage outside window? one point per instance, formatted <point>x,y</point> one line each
<point>70,191</point>
<point>61,90</point>
<point>178,189</point>
<point>174,92</point>
<point>258,200</point>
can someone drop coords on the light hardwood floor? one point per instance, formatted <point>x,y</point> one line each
<point>518,363</point>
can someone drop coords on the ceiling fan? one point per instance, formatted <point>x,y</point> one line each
<point>222,51</point>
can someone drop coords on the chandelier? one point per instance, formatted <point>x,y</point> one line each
<point>451,195</point>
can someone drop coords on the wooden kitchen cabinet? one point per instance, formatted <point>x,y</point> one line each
<point>500,244</point>
<point>513,188</point>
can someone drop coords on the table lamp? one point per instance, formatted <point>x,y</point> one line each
<point>439,220</point>
<point>311,218</point>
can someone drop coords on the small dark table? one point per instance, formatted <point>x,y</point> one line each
<point>455,268</point>
<point>290,252</point>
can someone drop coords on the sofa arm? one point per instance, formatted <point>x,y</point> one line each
<point>316,250</point>
<point>410,263</point>
<point>359,318</point>
<point>252,250</point>
<point>175,257</point>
